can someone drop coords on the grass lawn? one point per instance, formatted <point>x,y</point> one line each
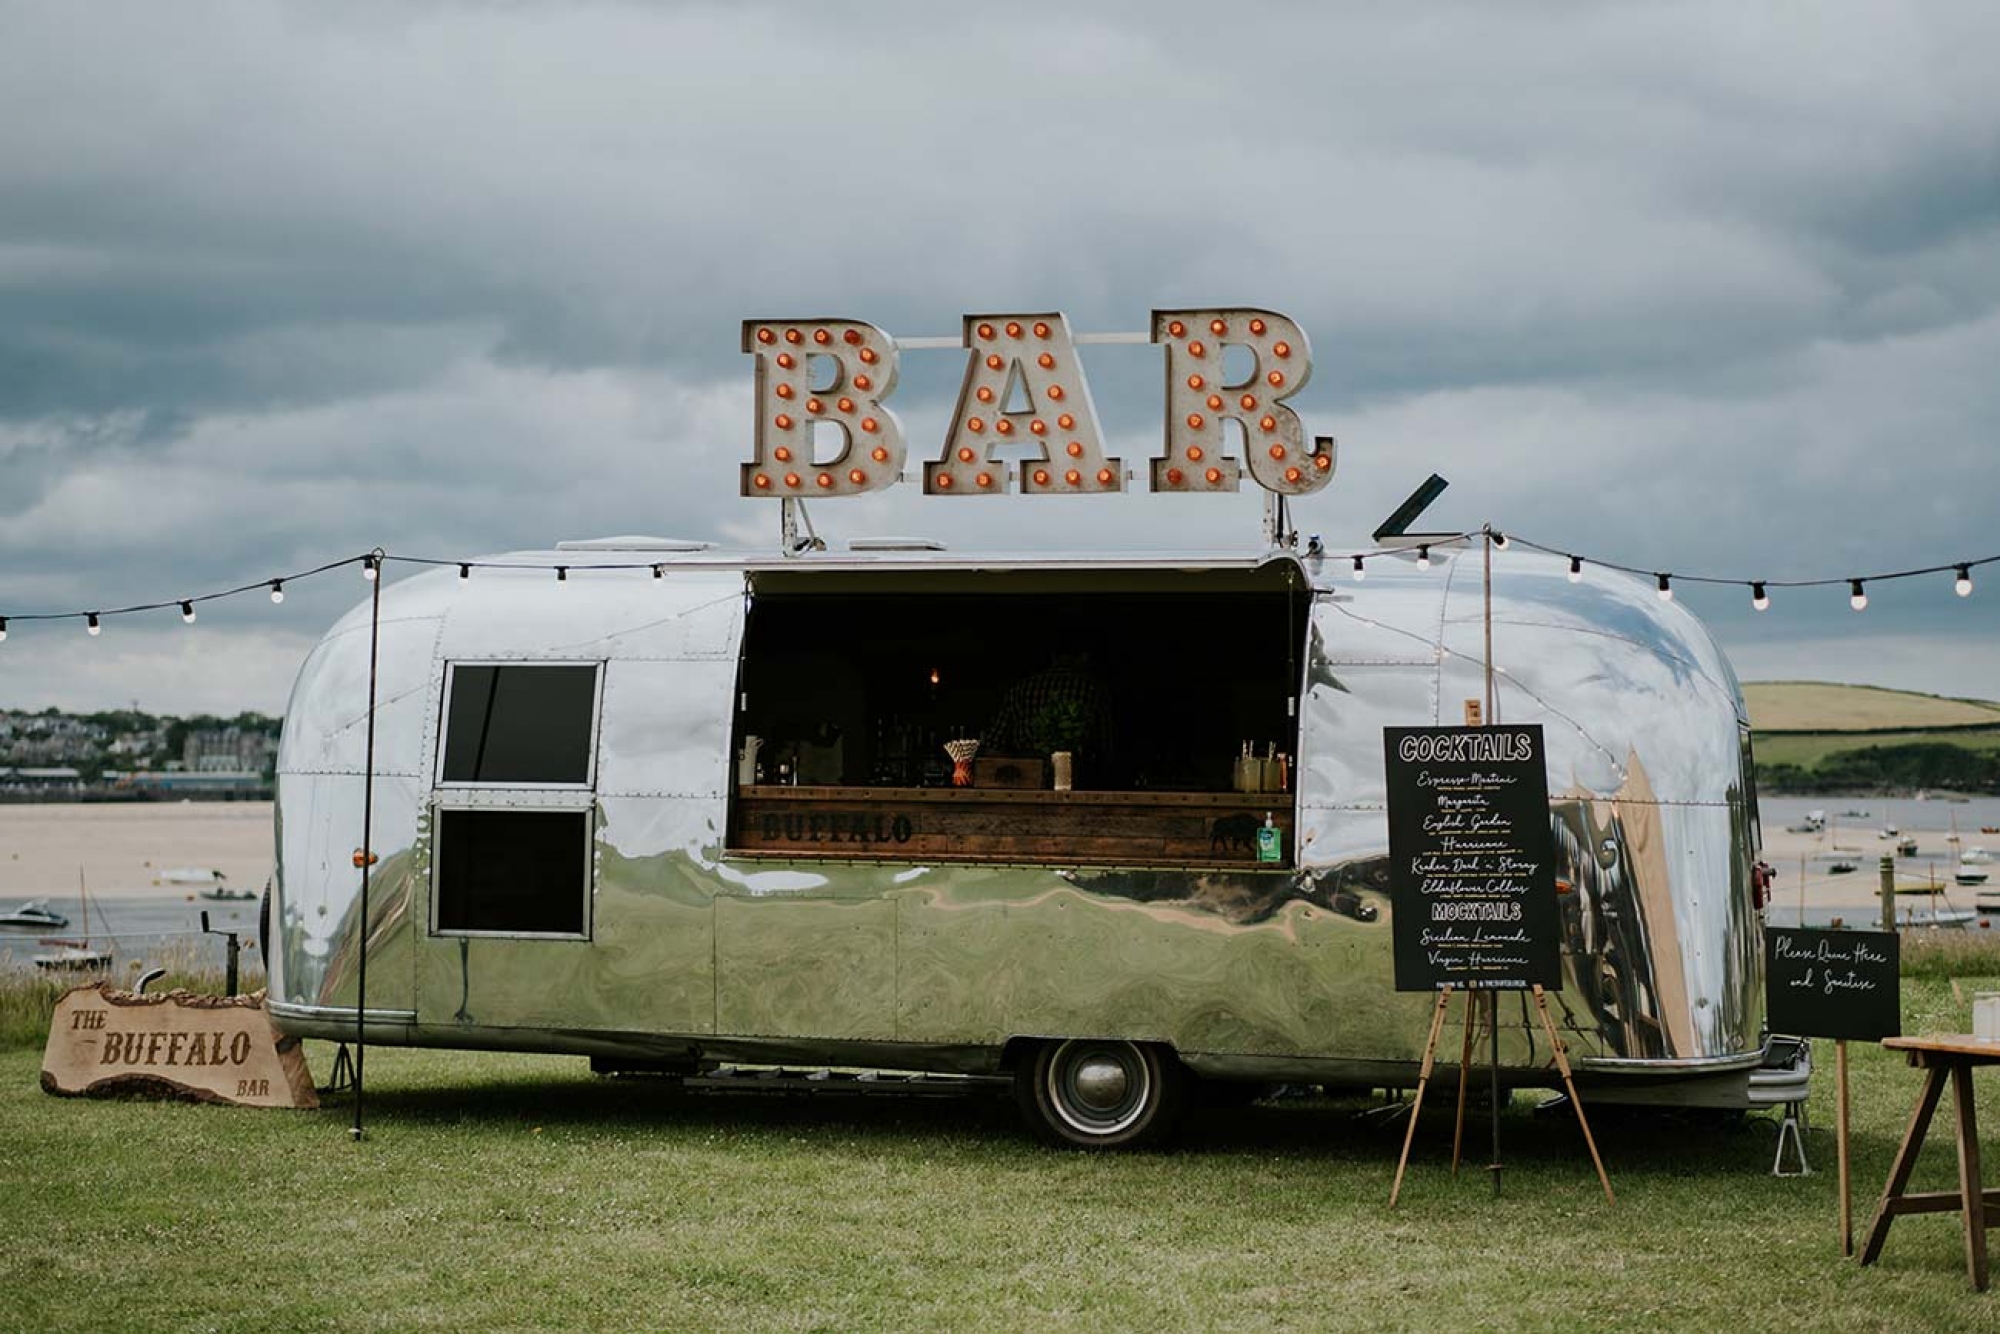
<point>518,1192</point>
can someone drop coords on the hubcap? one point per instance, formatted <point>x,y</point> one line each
<point>1101,1083</point>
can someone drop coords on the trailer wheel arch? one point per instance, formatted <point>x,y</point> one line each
<point>1097,1093</point>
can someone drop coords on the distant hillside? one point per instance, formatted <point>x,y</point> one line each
<point>1822,706</point>
<point>1815,736</point>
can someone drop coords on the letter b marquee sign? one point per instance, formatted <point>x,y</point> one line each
<point>1024,387</point>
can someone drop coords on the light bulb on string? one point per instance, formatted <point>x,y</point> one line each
<point>368,568</point>
<point>659,572</point>
<point>1666,588</point>
<point>1424,556</point>
<point>1360,570</point>
<point>1857,597</point>
<point>1963,584</point>
<point>187,612</point>
<point>3,629</point>
<point>92,625</point>
<point>277,590</point>
<point>464,571</point>
<point>1576,569</point>
<point>1759,598</point>
<point>562,574</point>
<point>1499,540</point>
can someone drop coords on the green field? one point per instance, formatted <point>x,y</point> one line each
<point>1815,736</point>
<point>505,1192</point>
<point>1809,748</point>
<point>1825,706</point>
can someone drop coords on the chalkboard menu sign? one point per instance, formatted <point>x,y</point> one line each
<point>1832,984</point>
<point>1471,863</point>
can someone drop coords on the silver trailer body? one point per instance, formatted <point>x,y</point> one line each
<point>690,954</point>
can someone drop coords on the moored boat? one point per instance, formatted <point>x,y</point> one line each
<point>37,914</point>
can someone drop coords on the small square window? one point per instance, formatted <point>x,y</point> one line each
<point>513,872</point>
<point>527,724</point>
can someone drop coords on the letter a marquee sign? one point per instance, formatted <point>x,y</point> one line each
<point>1024,386</point>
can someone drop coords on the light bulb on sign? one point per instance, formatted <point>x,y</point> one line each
<point>1963,584</point>
<point>1759,599</point>
<point>1857,597</point>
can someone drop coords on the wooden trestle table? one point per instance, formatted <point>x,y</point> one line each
<point>1942,1057</point>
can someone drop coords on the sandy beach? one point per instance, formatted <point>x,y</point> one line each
<point>1801,861</point>
<point>122,847</point>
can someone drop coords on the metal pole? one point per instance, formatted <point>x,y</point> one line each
<point>367,838</point>
<point>1888,892</point>
<point>235,949</point>
<point>1493,1022</point>
<point>1492,717</point>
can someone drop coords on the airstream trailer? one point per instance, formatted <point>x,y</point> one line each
<point>697,809</point>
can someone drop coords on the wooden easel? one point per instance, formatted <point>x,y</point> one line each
<point>1465,1062</point>
<point>1423,1081</point>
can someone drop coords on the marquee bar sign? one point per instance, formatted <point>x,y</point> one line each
<point>1024,385</point>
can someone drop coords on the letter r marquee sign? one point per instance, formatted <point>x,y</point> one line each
<point>1024,386</point>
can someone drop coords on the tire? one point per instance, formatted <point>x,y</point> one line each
<point>1096,1093</point>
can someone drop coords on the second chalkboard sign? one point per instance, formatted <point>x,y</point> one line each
<point>1471,861</point>
<point>1833,984</point>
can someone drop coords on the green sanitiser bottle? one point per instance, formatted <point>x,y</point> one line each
<point>1268,841</point>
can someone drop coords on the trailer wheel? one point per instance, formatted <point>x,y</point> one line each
<point>1095,1093</point>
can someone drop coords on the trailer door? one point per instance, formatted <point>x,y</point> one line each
<point>577,808</point>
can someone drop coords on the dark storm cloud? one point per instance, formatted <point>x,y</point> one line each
<point>1692,285</point>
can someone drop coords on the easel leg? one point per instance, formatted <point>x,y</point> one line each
<point>1569,1085</point>
<point>1464,1081</point>
<point>1968,1176</point>
<point>1423,1078</point>
<point>1840,1143</point>
<point>1906,1162</point>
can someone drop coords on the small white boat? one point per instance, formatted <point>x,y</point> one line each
<point>37,914</point>
<point>1888,831</point>
<point>188,875</point>
<point>224,894</point>
<point>1906,846</point>
<point>1969,876</point>
<point>73,956</point>
<point>1842,866</point>
<point>1974,857</point>
<point>1936,917</point>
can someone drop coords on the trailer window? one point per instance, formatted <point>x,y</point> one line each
<point>520,724</point>
<point>511,872</point>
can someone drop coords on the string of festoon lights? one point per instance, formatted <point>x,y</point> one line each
<point>371,564</point>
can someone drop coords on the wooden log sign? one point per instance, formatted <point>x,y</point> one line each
<point>1833,984</point>
<point>1471,860</point>
<point>177,1045</point>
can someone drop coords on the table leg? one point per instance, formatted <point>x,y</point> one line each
<point>1968,1175</point>
<point>1906,1162</point>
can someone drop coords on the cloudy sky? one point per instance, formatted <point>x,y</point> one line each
<point>1702,288</point>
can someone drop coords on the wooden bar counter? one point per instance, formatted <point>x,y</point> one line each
<point>970,824</point>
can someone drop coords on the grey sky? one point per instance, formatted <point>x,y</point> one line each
<point>1709,288</point>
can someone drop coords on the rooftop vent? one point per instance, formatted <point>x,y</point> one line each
<point>635,544</point>
<point>895,544</point>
